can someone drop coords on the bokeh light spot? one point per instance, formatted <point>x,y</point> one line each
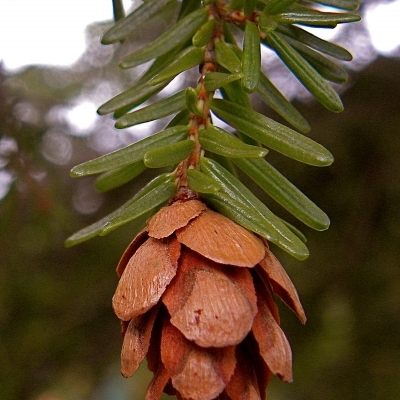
<point>85,199</point>
<point>383,25</point>
<point>57,147</point>
<point>81,117</point>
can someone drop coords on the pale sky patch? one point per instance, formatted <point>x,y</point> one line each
<point>383,25</point>
<point>47,32</point>
<point>51,32</point>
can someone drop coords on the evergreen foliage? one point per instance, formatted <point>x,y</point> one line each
<point>204,159</point>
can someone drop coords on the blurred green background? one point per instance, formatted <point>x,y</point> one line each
<point>59,338</point>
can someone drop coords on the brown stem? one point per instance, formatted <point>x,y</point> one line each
<point>198,122</point>
<point>220,11</point>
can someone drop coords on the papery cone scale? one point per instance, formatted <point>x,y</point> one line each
<point>140,238</point>
<point>136,342</point>
<point>202,377</point>
<point>281,284</point>
<point>202,285</point>
<point>272,342</point>
<point>243,383</point>
<point>222,240</point>
<point>145,278</point>
<point>251,351</point>
<point>197,373</point>
<point>207,305</point>
<point>158,383</point>
<point>171,218</point>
